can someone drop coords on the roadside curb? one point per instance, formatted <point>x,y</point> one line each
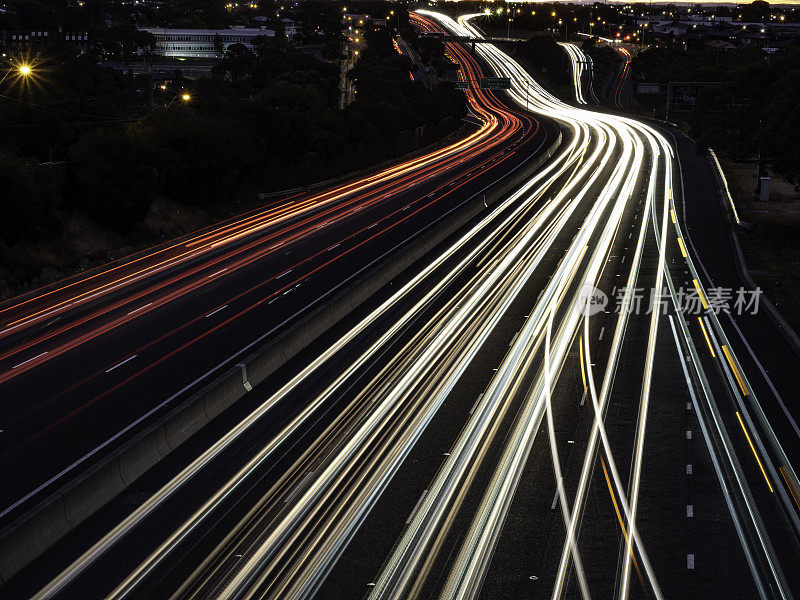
<point>35,531</point>
<point>741,268</point>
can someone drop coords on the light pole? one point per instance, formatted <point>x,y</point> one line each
<point>185,97</point>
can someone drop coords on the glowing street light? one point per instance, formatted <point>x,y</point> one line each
<point>21,71</point>
<point>186,97</point>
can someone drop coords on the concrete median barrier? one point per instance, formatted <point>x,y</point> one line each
<point>31,534</point>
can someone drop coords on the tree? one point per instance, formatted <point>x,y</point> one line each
<point>117,177</point>
<point>238,60</point>
<point>28,194</point>
<point>125,41</point>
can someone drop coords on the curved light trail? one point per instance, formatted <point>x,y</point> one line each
<point>427,334</point>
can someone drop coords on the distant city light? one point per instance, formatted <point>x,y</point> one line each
<point>186,97</point>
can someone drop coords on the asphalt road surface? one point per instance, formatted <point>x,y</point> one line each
<point>518,415</point>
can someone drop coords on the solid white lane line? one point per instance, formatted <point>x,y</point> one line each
<point>416,507</point>
<point>298,486</point>
<point>25,362</point>
<point>140,308</point>
<point>216,311</point>
<point>284,273</point>
<point>472,410</point>
<point>130,358</point>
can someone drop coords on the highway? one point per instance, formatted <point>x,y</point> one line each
<point>86,364</point>
<point>510,418</point>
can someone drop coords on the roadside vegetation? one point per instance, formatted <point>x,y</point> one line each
<point>92,167</point>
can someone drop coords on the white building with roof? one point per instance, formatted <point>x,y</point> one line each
<point>203,43</point>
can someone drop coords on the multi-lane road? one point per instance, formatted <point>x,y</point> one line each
<point>85,364</point>
<point>515,417</point>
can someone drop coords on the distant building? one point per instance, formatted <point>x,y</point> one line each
<point>17,40</point>
<point>203,43</point>
<point>290,28</point>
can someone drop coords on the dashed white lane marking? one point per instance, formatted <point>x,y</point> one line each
<point>216,311</point>
<point>689,406</point>
<point>688,469</point>
<point>602,331</point>
<point>690,561</point>
<point>140,308</point>
<point>689,511</point>
<point>555,501</point>
<point>245,381</point>
<point>218,272</point>
<point>130,358</point>
<point>284,273</point>
<point>334,246</point>
<point>688,434</point>
<point>25,362</point>
<point>416,506</point>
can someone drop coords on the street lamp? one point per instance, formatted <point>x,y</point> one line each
<point>186,97</point>
<point>22,70</point>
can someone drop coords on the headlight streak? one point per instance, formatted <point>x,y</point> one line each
<point>718,333</point>
<point>361,451</point>
<point>234,586</point>
<point>476,233</point>
<point>578,59</point>
<point>720,431</point>
<point>766,549</point>
<point>752,534</point>
<point>552,104</point>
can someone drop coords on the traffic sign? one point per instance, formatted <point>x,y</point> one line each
<point>495,83</point>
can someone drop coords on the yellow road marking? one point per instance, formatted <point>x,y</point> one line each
<point>683,248</point>
<point>736,373</point>
<point>672,214</point>
<point>700,293</point>
<point>705,335</point>
<point>619,518</point>
<point>583,372</point>
<point>758,460</point>
<point>792,487</point>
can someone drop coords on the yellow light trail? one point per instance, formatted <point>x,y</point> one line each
<point>683,248</point>
<point>705,335</point>
<point>583,370</point>
<point>758,460</point>
<point>736,373</point>
<point>700,292</point>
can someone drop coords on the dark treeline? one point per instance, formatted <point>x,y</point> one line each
<point>752,109</point>
<point>124,149</point>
